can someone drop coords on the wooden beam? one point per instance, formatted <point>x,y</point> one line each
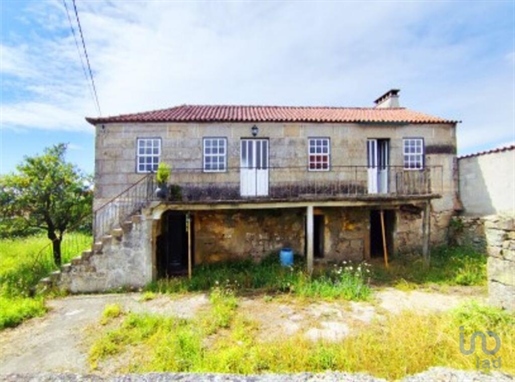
<point>309,237</point>
<point>426,232</point>
<point>385,247</point>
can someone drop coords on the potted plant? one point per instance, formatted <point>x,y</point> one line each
<point>162,176</point>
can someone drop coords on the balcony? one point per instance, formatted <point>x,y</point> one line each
<point>287,184</point>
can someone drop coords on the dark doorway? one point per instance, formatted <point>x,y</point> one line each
<point>376,236</point>
<point>318,239</point>
<point>172,245</point>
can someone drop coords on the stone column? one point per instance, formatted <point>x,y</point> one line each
<point>500,239</point>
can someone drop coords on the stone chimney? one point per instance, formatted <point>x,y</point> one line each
<point>388,99</point>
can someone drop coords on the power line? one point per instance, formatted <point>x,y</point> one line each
<point>78,51</point>
<point>87,57</point>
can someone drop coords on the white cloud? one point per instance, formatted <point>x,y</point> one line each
<point>74,147</point>
<point>46,116</point>
<point>447,59</point>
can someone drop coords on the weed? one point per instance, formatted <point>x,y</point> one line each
<point>111,311</point>
<point>384,349</point>
<point>14,311</point>
<point>349,281</point>
<point>223,306</point>
<point>147,296</point>
<point>449,266</point>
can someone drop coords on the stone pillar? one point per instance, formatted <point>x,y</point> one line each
<point>309,237</point>
<point>500,239</point>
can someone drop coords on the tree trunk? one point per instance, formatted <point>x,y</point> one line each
<point>56,249</point>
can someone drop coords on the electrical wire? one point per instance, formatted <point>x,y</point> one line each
<point>87,58</point>
<point>78,51</point>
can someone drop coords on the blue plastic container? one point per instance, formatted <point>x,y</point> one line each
<point>286,256</point>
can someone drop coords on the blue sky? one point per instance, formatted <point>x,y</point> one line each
<point>452,59</point>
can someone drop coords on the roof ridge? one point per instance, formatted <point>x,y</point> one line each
<point>275,113</point>
<point>292,107</point>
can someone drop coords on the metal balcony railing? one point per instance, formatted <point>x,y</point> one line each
<point>300,183</point>
<point>113,213</point>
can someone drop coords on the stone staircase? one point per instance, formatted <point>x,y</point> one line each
<point>103,267</point>
<point>121,255</point>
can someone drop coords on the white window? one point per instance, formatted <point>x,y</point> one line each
<point>148,154</point>
<point>413,150</point>
<point>215,154</point>
<point>319,151</point>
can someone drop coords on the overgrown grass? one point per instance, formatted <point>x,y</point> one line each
<point>22,265</point>
<point>14,311</point>
<point>346,280</point>
<point>448,266</point>
<point>385,349</point>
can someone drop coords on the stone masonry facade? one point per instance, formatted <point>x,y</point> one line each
<point>500,238</point>
<point>120,260</point>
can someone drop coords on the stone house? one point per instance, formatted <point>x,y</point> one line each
<point>332,183</point>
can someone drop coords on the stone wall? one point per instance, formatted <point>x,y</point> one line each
<point>408,230</point>
<point>500,237</point>
<point>242,234</point>
<point>346,233</point>
<point>468,231</point>
<point>226,235</point>
<point>121,260</point>
<point>487,182</point>
<point>408,233</point>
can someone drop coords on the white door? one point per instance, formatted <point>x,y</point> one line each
<point>372,165</point>
<point>254,167</point>
<point>378,165</point>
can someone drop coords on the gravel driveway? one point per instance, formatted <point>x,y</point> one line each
<point>59,341</point>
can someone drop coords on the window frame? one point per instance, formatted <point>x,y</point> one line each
<point>412,157</point>
<point>328,154</point>
<point>217,155</point>
<point>145,155</point>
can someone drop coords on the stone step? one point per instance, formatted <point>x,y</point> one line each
<point>55,275</point>
<point>106,240</point>
<point>46,281</point>
<point>117,233</point>
<point>66,268</point>
<point>97,247</point>
<point>86,255</point>
<point>76,261</point>
<point>127,226</point>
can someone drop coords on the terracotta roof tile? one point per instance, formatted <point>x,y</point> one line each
<point>207,113</point>
<point>493,151</point>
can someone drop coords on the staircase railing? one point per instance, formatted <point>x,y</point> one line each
<point>118,209</point>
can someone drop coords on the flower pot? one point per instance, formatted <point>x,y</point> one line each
<point>162,191</point>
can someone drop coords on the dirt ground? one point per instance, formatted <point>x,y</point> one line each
<point>59,341</point>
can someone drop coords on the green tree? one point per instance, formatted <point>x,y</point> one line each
<point>46,193</point>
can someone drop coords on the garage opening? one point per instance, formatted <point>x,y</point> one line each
<point>376,235</point>
<point>172,245</point>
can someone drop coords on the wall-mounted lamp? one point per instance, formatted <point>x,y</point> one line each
<point>254,130</point>
<point>103,128</point>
